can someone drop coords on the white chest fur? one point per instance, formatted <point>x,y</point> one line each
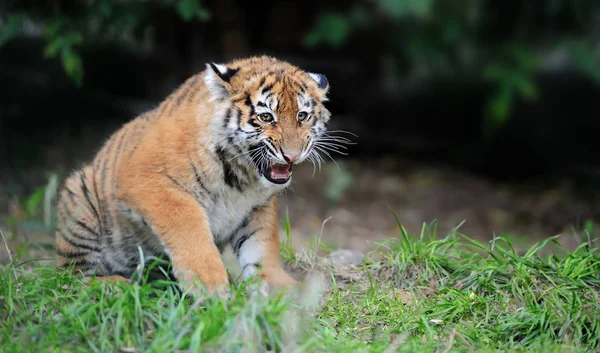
<point>227,211</point>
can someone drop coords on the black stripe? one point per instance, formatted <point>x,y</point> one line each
<point>248,103</point>
<point>188,89</point>
<point>105,221</point>
<point>232,144</point>
<point>86,193</point>
<point>199,180</point>
<point>253,134</point>
<point>175,181</point>
<point>245,221</point>
<point>240,242</point>
<point>78,245</point>
<point>262,81</point>
<point>88,228</point>
<point>192,93</point>
<point>117,155</point>
<point>71,254</point>
<point>253,122</point>
<point>100,224</point>
<point>261,104</point>
<point>227,118</point>
<point>72,195</point>
<point>238,113</point>
<point>76,234</point>
<point>183,93</point>
<point>258,266</point>
<point>271,145</point>
<point>229,176</point>
<point>268,98</point>
<point>314,121</point>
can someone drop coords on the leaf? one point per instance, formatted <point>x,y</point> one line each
<point>73,38</point>
<point>203,14</point>
<point>525,86</point>
<point>494,72</point>
<point>72,65</point>
<point>498,110</point>
<point>53,28</point>
<point>331,28</point>
<point>11,28</point>
<point>526,59</point>
<point>500,104</point>
<point>33,202</point>
<point>54,47</point>
<point>190,9</point>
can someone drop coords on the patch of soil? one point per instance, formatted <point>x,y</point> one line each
<point>416,193</point>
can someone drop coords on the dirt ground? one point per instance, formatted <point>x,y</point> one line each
<point>362,212</point>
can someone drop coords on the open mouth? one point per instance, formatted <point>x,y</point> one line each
<point>278,173</point>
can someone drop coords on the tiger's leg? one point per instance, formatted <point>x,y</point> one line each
<point>78,225</point>
<point>182,225</point>
<point>257,248</point>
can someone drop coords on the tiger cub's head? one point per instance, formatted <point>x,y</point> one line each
<point>271,113</point>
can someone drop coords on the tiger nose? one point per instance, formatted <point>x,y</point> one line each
<point>291,158</point>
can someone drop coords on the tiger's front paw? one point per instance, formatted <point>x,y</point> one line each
<point>204,285</point>
<point>277,280</point>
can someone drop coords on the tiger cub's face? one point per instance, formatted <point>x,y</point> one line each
<point>274,115</point>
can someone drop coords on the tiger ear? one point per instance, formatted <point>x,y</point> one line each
<point>217,79</point>
<point>321,81</point>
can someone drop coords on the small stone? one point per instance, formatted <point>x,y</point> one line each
<point>345,257</point>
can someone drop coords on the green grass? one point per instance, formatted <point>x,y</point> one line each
<point>414,294</point>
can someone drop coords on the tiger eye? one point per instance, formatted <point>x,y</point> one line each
<point>303,116</point>
<point>265,117</point>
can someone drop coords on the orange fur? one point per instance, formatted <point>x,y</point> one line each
<point>172,181</point>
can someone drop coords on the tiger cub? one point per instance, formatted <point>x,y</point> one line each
<point>197,173</point>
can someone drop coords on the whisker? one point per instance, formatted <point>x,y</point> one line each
<point>332,149</point>
<point>319,159</point>
<point>328,155</point>
<point>331,144</point>
<point>311,159</point>
<point>334,138</point>
<point>343,132</point>
<point>337,140</point>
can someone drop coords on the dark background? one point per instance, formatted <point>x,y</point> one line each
<point>482,111</point>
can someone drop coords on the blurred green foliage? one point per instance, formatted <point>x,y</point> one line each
<point>500,43</point>
<point>439,37</point>
<point>66,25</point>
<point>37,210</point>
